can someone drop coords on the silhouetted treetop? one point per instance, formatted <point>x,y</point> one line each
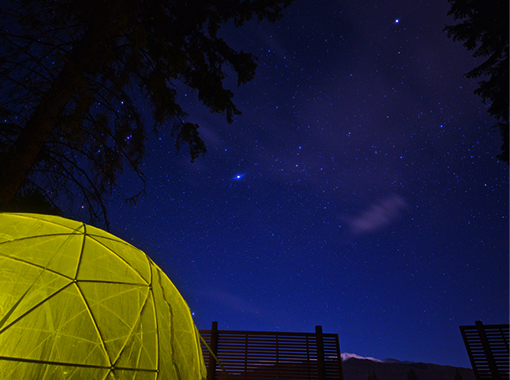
<point>70,120</point>
<point>484,29</point>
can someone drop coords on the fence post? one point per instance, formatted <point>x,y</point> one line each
<point>211,370</point>
<point>320,353</point>
<point>339,358</point>
<point>487,351</point>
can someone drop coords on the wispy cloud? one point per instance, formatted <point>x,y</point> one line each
<point>378,215</point>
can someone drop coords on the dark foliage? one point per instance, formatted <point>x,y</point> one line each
<point>76,74</point>
<point>484,29</point>
<point>411,375</point>
<point>31,200</point>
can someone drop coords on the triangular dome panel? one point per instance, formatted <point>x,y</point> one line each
<point>28,370</point>
<point>141,350</point>
<point>15,226</point>
<point>136,258</point>
<point>59,330</point>
<point>19,294</point>
<point>138,375</point>
<point>59,253</point>
<point>100,264</point>
<point>116,319</point>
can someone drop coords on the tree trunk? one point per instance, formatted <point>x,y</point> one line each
<point>23,153</point>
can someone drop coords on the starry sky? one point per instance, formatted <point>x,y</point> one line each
<point>358,190</point>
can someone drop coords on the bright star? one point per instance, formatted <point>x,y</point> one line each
<point>396,21</point>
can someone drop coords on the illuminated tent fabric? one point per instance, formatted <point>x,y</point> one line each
<point>78,303</point>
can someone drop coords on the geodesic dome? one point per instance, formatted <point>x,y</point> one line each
<point>79,303</point>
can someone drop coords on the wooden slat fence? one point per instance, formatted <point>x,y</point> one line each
<point>255,355</point>
<point>487,347</point>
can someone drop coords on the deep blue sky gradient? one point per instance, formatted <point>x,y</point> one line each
<point>369,199</point>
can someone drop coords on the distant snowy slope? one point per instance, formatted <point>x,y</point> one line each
<point>347,356</point>
<point>355,367</point>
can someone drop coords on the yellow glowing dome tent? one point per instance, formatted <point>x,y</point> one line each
<point>78,303</point>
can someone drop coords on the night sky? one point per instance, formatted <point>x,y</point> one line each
<point>357,191</point>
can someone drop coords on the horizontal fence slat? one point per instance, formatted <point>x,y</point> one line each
<point>488,350</point>
<point>260,355</point>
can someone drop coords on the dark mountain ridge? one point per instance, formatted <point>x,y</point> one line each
<point>392,369</point>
